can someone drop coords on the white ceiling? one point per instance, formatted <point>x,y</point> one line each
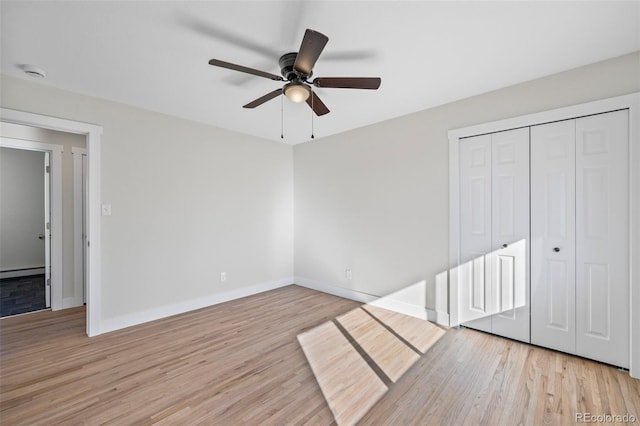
<point>154,54</point>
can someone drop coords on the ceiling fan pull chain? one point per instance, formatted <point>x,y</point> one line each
<point>313,96</point>
<point>281,117</point>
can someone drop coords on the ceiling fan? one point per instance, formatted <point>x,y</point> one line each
<point>297,69</point>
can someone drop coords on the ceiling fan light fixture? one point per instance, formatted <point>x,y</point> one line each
<point>297,92</point>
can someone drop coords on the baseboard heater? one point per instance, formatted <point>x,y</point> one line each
<point>23,272</point>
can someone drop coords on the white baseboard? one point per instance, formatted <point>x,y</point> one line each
<point>21,273</point>
<point>71,302</point>
<point>346,293</point>
<point>416,311</point>
<point>124,321</point>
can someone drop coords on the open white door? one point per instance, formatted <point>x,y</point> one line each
<point>47,229</point>
<point>85,270</point>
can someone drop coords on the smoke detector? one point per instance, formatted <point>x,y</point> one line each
<point>34,71</point>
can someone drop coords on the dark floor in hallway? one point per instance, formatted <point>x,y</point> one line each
<point>22,294</point>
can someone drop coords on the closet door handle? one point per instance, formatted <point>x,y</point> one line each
<point>556,249</point>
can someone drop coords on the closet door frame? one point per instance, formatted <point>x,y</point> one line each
<point>630,102</point>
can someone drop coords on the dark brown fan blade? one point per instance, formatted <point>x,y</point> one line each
<point>348,82</point>
<point>311,47</point>
<point>263,99</point>
<point>317,105</point>
<point>235,67</point>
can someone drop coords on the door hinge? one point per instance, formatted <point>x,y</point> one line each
<point>47,169</point>
<point>48,225</point>
<point>48,282</point>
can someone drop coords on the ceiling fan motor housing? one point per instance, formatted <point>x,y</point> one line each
<point>286,62</point>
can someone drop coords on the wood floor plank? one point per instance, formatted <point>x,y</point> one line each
<point>247,362</point>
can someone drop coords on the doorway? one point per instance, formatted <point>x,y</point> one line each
<point>92,135</point>
<point>53,247</point>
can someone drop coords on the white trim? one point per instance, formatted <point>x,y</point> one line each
<point>128,320</point>
<point>30,145</point>
<point>55,209</point>
<point>335,290</point>
<point>558,114</point>
<point>78,150</point>
<point>454,229</point>
<point>22,272</point>
<point>416,311</point>
<point>78,246</point>
<point>70,302</point>
<point>630,102</point>
<point>634,235</point>
<point>93,134</point>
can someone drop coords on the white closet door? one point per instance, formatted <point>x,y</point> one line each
<point>553,235</point>
<point>475,294</point>
<point>602,234</point>
<point>510,233</point>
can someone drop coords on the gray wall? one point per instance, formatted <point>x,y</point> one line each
<point>376,199</point>
<point>188,201</point>
<point>21,209</point>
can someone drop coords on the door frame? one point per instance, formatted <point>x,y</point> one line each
<point>78,229</point>
<point>630,102</point>
<point>93,134</point>
<point>54,195</point>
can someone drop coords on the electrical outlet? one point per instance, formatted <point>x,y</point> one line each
<point>347,274</point>
<point>223,276</point>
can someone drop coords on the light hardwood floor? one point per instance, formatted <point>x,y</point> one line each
<point>292,356</point>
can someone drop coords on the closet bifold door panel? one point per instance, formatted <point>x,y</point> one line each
<point>494,233</point>
<point>553,236</point>
<point>476,295</point>
<point>510,233</point>
<point>602,237</point>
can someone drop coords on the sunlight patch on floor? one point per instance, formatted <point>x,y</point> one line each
<point>419,333</point>
<point>359,354</point>
<point>350,387</point>
<point>390,354</point>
